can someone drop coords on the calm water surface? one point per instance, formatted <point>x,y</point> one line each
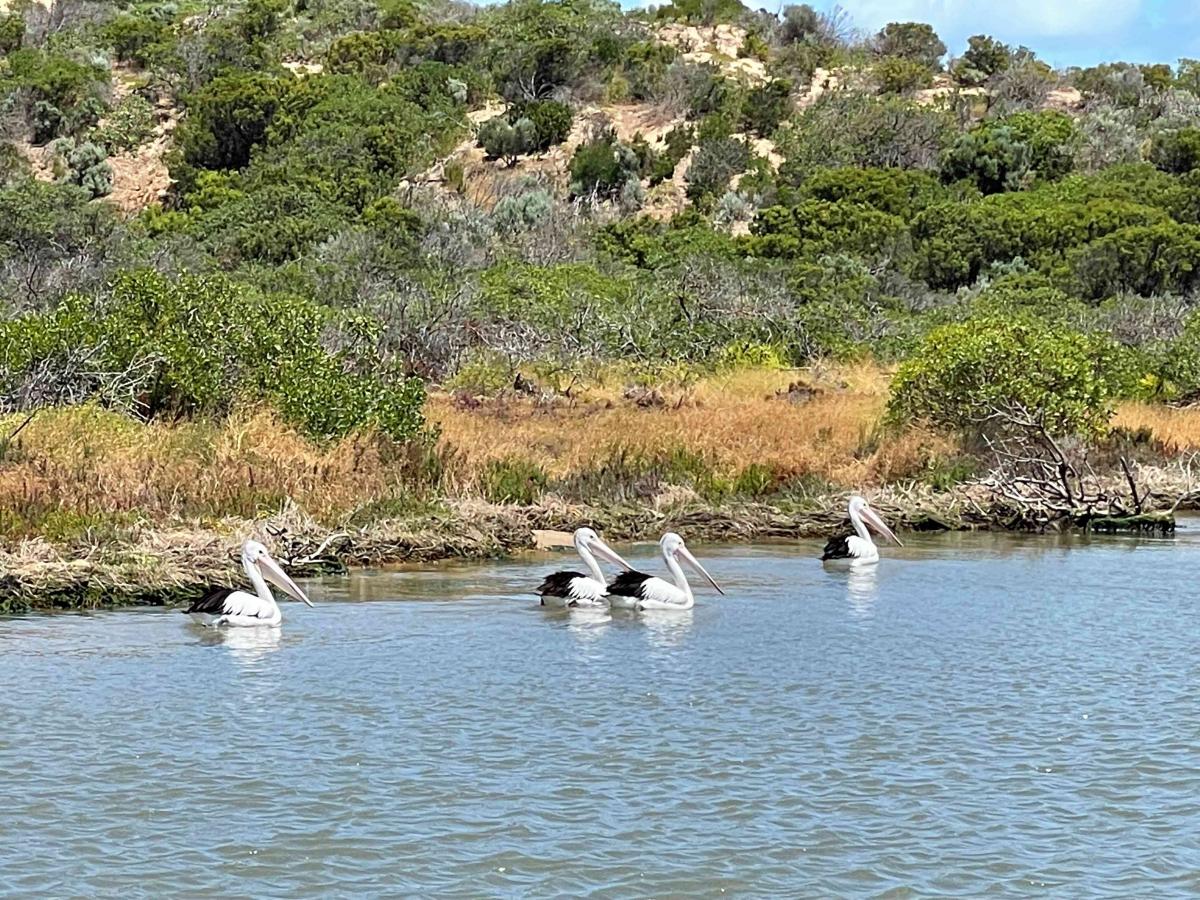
<point>984,714</point>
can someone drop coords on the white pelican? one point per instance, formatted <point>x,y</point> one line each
<point>858,549</point>
<point>633,590</point>
<point>564,589</point>
<point>225,606</point>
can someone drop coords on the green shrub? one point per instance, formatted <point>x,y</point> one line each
<point>895,75</point>
<point>701,12</point>
<point>815,227</point>
<point>897,192</point>
<point>88,167</point>
<point>983,58</point>
<point>913,41</point>
<point>975,375</point>
<point>1006,154</point>
<point>765,106</point>
<point>513,480</point>
<point>853,129</point>
<point>955,242</point>
<point>754,47</point>
<point>1176,151</point>
<point>66,94</point>
<point>12,32</point>
<point>551,122</point>
<point>715,163</point>
<point>227,118</point>
<point>132,37</point>
<point>505,140</point>
<point>201,344</point>
<point>646,64</point>
<point>127,126</point>
<point>601,167</point>
<point>1149,260</point>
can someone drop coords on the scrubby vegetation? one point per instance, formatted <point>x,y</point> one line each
<point>370,201</point>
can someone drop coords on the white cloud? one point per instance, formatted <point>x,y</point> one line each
<point>1014,20</point>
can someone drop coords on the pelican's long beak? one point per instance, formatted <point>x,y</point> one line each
<point>610,554</point>
<point>280,579</point>
<point>695,564</point>
<point>879,526</point>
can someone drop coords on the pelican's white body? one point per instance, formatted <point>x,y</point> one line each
<point>566,589</point>
<point>858,549</point>
<point>241,608</point>
<point>657,593</point>
<point>863,551</point>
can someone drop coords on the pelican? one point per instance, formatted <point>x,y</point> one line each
<point>225,606</point>
<point>633,590</point>
<point>858,549</point>
<point>564,589</point>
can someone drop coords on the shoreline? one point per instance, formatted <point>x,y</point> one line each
<point>167,565</point>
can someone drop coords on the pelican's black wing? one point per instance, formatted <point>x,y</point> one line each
<point>629,584</point>
<point>838,548</point>
<point>213,601</point>
<point>558,584</point>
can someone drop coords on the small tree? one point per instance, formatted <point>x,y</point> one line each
<point>983,58</point>
<point>913,41</point>
<point>997,375</point>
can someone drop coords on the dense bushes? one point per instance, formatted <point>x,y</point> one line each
<point>202,345</point>
<point>1009,154</point>
<point>876,220</point>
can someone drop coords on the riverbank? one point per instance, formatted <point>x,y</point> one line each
<point>168,565</point>
<point>99,510</point>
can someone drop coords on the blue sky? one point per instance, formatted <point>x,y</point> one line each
<point>1080,32</point>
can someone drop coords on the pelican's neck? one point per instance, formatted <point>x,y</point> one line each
<point>681,581</point>
<point>860,527</point>
<point>260,584</point>
<point>589,560</point>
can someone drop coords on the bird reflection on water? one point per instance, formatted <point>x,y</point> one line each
<point>861,590</point>
<point>246,646</point>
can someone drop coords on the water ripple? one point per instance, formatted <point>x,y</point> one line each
<point>981,715</point>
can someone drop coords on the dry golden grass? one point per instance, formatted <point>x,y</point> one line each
<point>88,467</point>
<point>732,421</point>
<point>91,462</point>
<point>1178,430</point>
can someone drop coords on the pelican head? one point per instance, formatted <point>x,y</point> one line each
<point>860,510</point>
<point>673,548</point>
<point>256,556</point>
<point>588,541</point>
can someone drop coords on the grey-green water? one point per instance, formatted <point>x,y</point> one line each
<point>982,715</point>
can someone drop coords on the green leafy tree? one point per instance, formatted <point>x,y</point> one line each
<point>984,57</point>
<point>914,41</point>
<point>990,373</point>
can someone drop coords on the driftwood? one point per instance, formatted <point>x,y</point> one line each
<point>1048,483</point>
